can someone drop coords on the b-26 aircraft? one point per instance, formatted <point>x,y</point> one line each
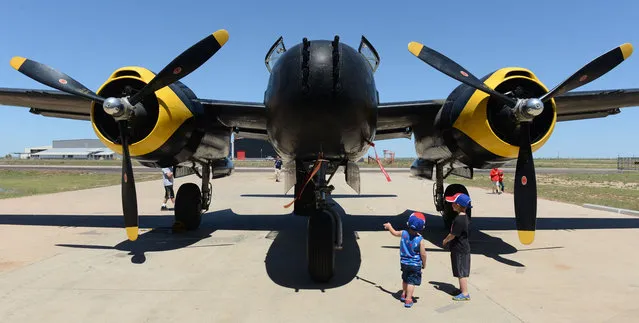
<point>321,110</point>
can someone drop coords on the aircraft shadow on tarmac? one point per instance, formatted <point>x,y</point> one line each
<point>286,258</point>
<point>334,196</point>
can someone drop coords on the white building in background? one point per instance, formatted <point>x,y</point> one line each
<point>71,149</point>
<point>32,150</point>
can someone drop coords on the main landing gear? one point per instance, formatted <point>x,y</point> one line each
<point>446,208</point>
<point>190,203</point>
<point>324,223</point>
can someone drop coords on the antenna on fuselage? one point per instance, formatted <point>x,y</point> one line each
<point>336,84</point>
<point>306,55</point>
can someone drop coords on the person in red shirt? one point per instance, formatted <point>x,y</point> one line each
<point>501,181</point>
<point>494,177</point>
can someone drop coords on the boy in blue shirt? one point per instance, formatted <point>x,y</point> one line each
<point>412,251</point>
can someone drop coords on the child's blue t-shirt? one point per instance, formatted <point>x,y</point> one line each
<point>409,249</point>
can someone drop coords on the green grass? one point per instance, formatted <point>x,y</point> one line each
<point>15,183</point>
<point>615,190</point>
<point>609,163</point>
<point>67,162</point>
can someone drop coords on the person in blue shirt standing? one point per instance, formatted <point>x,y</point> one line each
<point>412,252</point>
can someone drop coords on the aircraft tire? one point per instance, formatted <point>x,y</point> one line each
<point>188,206</point>
<point>448,214</point>
<point>320,246</point>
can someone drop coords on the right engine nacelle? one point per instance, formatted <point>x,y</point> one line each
<point>479,130</point>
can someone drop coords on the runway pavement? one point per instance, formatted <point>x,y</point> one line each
<point>64,259</point>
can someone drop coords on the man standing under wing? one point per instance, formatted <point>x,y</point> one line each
<point>459,245</point>
<point>167,178</point>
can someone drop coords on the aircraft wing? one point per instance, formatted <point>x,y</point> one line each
<point>248,118</point>
<point>594,104</point>
<point>396,119</point>
<point>49,103</point>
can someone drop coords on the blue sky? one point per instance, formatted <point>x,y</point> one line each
<point>552,38</point>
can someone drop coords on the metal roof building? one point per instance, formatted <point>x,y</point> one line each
<point>75,153</point>
<point>71,149</point>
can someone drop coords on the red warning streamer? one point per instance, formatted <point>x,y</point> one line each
<point>316,168</point>
<point>379,162</point>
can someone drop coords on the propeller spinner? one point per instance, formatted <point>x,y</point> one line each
<point>122,109</point>
<point>525,110</point>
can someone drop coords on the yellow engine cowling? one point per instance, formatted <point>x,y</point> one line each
<point>163,134</point>
<point>478,129</point>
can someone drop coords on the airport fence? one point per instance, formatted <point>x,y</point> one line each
<point>628,163</point>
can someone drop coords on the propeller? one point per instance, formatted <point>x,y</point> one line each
<point>525,110</point>
<point>123,109</point>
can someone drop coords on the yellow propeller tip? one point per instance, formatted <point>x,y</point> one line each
<point>222,36</point>
<point>526,237</point>
<point>132,233</point>
<point>415,48</point>
<point>17,61</point>
<point>626,50</point>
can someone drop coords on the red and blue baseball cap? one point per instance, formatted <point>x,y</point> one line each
<point>416,221</point>
<point>461,199</point>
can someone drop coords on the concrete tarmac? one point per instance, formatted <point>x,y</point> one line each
<point>64,258</point>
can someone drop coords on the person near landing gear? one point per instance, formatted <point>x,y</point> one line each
<point>501,181</point>
<point>412,251</point>
<point>459,245</point>
<point>278,168</point>
<point>494,178</point>
<point>167,178</point>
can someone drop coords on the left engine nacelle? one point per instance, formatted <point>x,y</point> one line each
<point>480,131</point>
<point>166,135</point>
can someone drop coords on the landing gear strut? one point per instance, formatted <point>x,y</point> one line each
<point>190,202</point>
<point>445,208</point>
<point>306,204</point>
<point>324,230</point>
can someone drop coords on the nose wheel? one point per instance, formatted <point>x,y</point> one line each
<point>324,235</point>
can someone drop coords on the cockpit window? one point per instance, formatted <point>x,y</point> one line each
<point>274,53</point>
<point>370,54</point>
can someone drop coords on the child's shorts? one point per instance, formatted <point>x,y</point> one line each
<point>460,263</point>
<point>412,275</point>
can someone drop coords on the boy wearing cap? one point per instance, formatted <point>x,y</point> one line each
<point>412,251</point>
<point>459,245</point>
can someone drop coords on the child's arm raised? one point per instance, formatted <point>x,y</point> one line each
<point>390,229</point>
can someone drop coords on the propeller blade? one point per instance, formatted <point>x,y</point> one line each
<point>592,71</point>
<point>184,64</point>
<point>53,78</point>
<point>129,197</point>
<point>454,70</point>
<point>525,188</point>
